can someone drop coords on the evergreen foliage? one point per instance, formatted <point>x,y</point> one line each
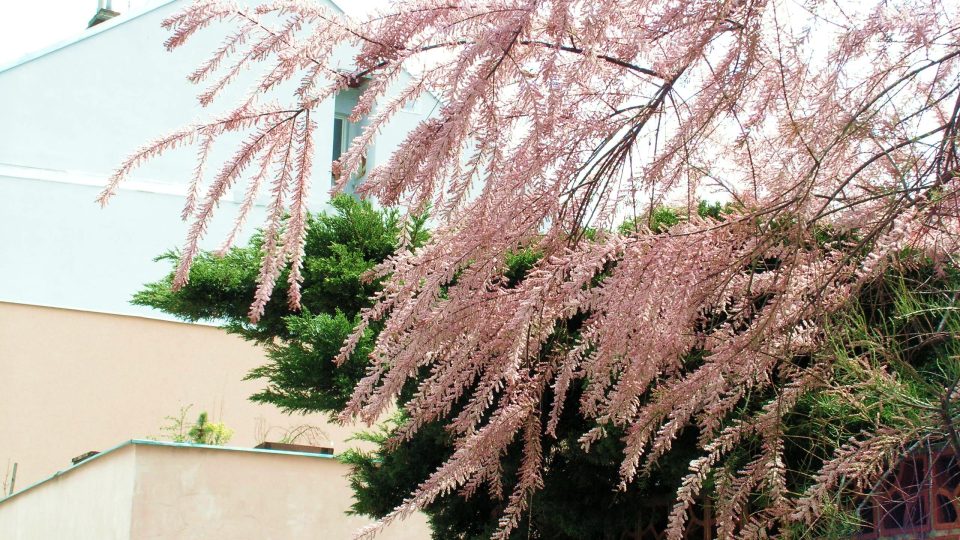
<point>341,246</point>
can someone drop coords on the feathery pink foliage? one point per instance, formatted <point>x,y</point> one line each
<point>561,115</point>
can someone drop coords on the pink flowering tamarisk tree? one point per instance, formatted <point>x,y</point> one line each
<point>559,120</point>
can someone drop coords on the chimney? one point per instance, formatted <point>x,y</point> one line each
<point>104,13</point>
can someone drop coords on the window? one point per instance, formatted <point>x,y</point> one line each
<point>920,495</point>
<point>341,135</point>
<point>345,131</point>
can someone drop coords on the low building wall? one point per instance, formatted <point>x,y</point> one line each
<point>89,501</point>
<point>152,490</point>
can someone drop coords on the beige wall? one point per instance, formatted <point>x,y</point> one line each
<point>96,498</point>
<point>182,492</point>
<point>74,381</point>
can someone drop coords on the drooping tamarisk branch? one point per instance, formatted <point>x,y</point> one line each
<point>831,128</point>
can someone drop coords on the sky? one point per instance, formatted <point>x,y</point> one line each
<point>31,25</point>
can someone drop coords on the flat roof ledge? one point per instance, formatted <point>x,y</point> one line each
<point>169,444</point>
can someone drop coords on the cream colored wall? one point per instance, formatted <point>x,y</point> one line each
<point>194,493</point>
<point>145,491</point>
<point>74,381</point>
<point>92,501</point>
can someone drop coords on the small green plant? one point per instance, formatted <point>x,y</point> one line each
<point>203,431</point>
<point>176,427</point>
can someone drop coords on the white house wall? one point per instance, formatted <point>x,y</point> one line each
<point>67,119</point>
<point>61,250</point>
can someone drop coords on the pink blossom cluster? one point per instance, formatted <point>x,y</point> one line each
<point>560,119</point>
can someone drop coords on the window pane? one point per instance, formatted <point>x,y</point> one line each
<point>338,125</point>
